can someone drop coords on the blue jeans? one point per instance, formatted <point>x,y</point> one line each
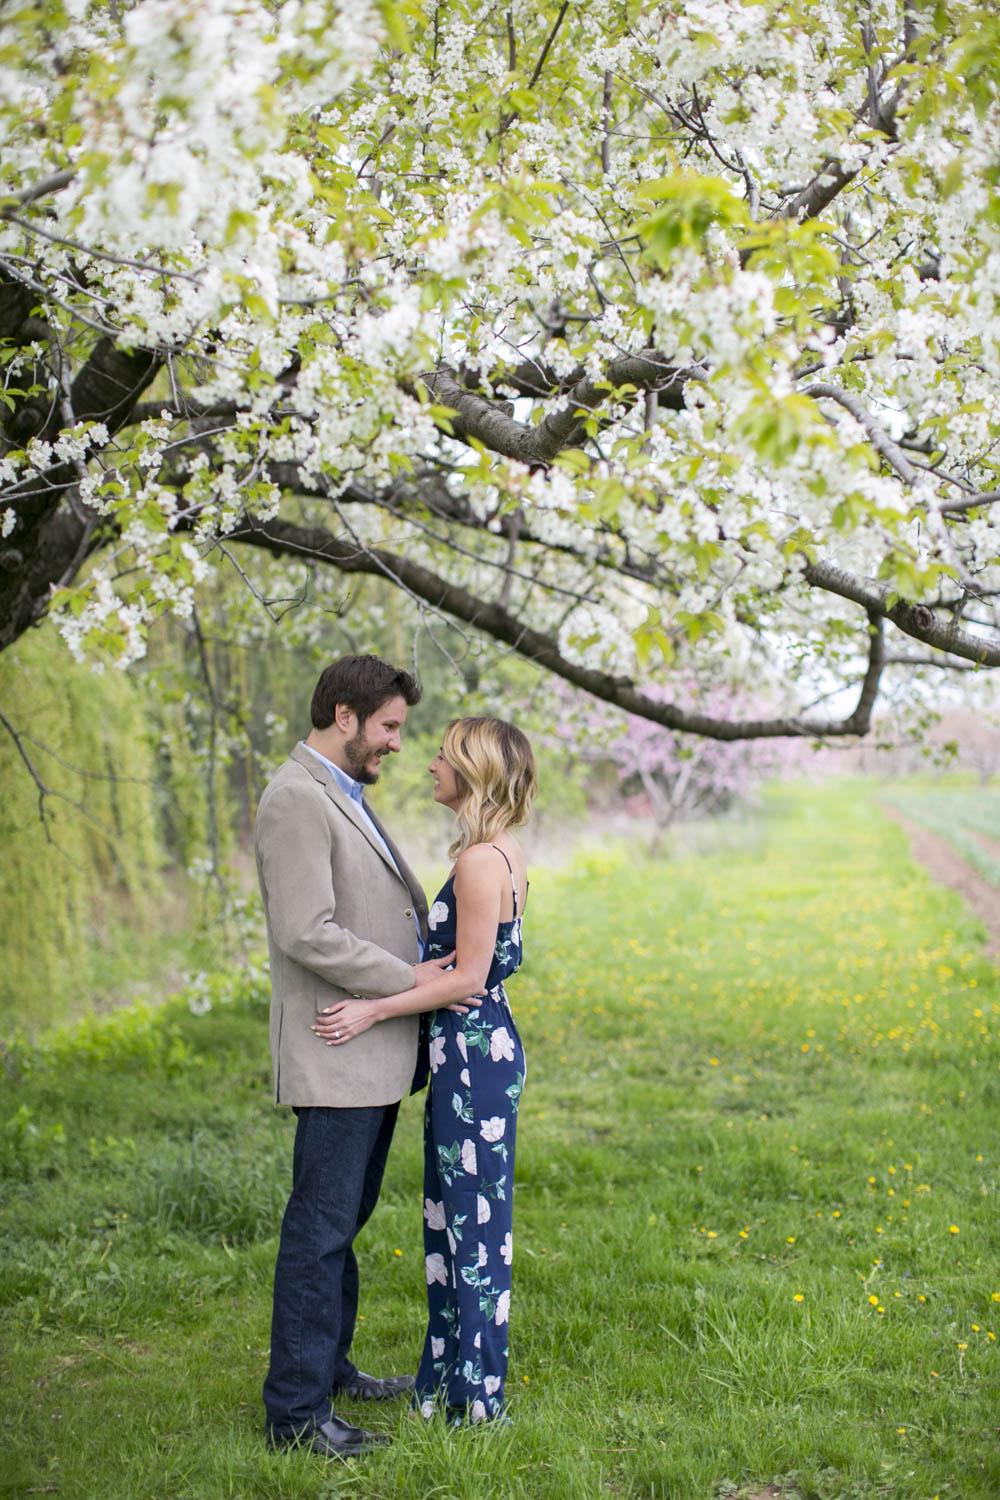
<point>337,1168</point>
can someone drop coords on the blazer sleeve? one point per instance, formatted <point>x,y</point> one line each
<point>296,862</point>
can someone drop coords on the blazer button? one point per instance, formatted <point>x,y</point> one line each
<point>408,912</point>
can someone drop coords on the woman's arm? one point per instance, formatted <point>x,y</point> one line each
<point>479,885</point>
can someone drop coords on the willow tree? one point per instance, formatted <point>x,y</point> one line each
<point>658,342</point>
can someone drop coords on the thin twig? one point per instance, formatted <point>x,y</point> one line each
<point>43,790</point>
<point>606,124</point>
<point>213,734</point>
<point>248,581</point>
<point>548,43</point>
<point>116,260</point>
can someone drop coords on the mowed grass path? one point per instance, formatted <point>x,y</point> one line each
<point>756,1208</point>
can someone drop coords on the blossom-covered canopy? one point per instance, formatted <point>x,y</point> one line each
<point>659,342</point>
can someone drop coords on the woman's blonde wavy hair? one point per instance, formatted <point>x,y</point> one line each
<point>495,773</point>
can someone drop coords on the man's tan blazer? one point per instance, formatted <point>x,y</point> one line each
<point>340,921</point>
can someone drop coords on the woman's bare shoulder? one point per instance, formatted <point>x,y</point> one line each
<point>478,857</point>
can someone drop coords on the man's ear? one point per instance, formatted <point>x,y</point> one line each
<point>345,719</point>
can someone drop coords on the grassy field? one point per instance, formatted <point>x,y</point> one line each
<point>756,1206</point>
<point>966,815</point>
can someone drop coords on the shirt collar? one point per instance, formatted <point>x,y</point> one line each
<point>347,784</point>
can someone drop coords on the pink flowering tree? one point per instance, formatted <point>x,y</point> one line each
<point>681,778</point>
<point>666,776</point>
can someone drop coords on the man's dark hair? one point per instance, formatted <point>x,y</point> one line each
<point>364,683</point>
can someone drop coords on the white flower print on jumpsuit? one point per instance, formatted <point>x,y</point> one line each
<point>477,1068</point>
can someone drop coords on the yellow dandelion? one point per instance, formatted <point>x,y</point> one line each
<point>798,1297</point>
<point>952,1228</point>
<point>873,1300</point>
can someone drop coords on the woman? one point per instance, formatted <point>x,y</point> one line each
<point>484,772</point>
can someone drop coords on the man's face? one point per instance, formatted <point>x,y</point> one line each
<point>377,736</point>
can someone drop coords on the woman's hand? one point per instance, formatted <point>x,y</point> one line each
<point>344,1020</point>
<point>340,1022</point>
<point>461,1007</point>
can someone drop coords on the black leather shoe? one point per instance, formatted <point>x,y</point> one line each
<point>370,1388</point>
<point>334,1438</point>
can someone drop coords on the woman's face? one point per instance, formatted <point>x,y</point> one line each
<point>445,782</point>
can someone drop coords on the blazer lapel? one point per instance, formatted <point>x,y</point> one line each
<point>350,809</point>
<point>412,883</point>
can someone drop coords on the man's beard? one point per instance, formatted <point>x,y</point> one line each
<point>357,752</point>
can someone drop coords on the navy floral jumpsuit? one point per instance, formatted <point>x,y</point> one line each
<point>477,1072</point>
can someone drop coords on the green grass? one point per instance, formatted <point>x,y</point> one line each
<point>960,814</point>
<point>762,1092</point>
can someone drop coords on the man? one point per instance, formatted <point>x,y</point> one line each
<point>345,916</point>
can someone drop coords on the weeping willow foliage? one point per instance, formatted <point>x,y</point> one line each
<point>85,862</point>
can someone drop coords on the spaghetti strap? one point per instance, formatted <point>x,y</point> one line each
<point>510,867</point>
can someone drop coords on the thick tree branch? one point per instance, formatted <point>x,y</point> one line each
<point>916,620</point>
<point>877,435</point>
<point>970,502</point>
<point>830,180</point>
<point>41,189</point>
<point>539,446</point>
<point>832,177</point>
<point>49,537</point>
<point>318,544</point>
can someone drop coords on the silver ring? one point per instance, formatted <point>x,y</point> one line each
<point>336,1034</point>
